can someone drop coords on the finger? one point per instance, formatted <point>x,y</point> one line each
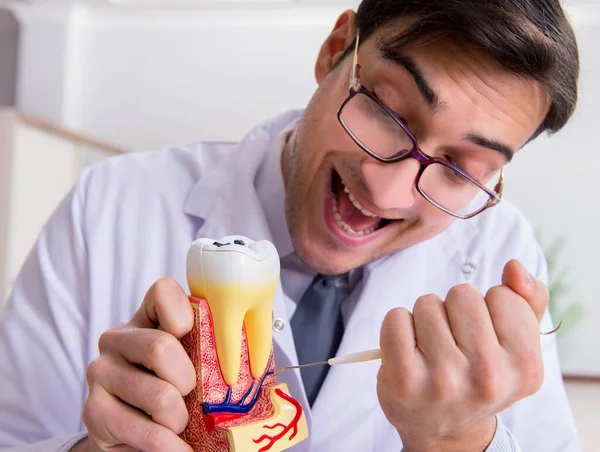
<point>110,423</point>
<point>518,332</point>
<point>533,290</point>
<point>165,305</point>
<point>159,399</point>
<point>432,329</point>
<point>398,343</point>
<point>122,448</point>
<point>155,350</point>
<point>514,322</point>
<point>470,321</point>
<point>93,447</point>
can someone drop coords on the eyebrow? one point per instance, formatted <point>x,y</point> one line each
<point>432,99</point>
<point>392,55</point>
<point>505,150</point>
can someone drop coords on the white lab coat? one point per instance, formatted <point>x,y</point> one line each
<point>130,221</point>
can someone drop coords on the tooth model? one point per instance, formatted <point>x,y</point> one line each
<point>237,405</point>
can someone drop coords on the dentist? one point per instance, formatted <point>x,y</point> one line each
<point>389,184</point>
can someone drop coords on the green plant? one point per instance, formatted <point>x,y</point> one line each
<point>562,307</point>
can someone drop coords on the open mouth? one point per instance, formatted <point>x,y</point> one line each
<point>350,217</point>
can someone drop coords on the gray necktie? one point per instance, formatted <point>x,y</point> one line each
<point>318,327</point>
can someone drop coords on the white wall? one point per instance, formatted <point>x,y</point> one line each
<point>44,63</point>
<point>152,79</point>
<point>38,165</point>
<point>147,79</point>
<point>554,181</point>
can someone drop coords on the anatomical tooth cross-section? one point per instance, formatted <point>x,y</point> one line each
<point>237,405</point>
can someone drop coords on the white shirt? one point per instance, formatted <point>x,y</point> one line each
<point>130,220</point>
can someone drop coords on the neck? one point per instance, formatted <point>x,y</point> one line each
<point>286,155</point>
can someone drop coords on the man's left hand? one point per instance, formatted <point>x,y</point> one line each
<point>449,367</point>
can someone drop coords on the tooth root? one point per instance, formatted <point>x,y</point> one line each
<point>227,316</point>
<point>234,305</point>
<point>259,334</point>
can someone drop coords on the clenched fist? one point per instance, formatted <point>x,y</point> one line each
<point>449,367</point>
<point>138,382</point>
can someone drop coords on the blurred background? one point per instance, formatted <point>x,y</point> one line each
<point>84,80</point>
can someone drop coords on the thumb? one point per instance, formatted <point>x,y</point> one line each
<point>534,291</point>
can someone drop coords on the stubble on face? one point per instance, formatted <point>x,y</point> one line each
<point>297,210</point>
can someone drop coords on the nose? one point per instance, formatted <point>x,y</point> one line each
<point>392,185</point>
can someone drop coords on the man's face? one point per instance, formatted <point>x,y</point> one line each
<point>328,177</point>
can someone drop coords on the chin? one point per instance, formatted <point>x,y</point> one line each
<point>323,252</point>
<point>333,233</point>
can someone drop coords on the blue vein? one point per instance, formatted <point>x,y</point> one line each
<point>238,408</point>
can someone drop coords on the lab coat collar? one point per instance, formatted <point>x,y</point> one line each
<point>270,187</point>
<point>226,192</point>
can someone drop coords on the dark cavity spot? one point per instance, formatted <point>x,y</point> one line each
<point>239,242</point>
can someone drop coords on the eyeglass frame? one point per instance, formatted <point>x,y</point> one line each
<point>424,160</point>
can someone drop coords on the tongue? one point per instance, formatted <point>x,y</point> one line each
<point>351,215</point>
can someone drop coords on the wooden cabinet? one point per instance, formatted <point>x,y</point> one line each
<point>39,163</point>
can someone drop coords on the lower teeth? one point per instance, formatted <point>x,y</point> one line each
<point>342,225</point>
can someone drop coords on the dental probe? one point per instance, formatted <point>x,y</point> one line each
<point>359,357</point>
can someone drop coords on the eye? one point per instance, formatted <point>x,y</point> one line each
<point>391,106</point>
<point>474,168</point>
<point>453,161</point>
<point>239,242</point>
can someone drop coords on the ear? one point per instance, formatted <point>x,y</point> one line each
<point>337,42</point>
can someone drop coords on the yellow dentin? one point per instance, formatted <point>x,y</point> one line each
<point>232,305</point>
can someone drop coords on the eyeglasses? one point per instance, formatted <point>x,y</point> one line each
<point>383,135</point>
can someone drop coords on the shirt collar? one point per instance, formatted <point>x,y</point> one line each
<point>270,188</point>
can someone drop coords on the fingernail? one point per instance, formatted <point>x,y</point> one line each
<point>528,277</point>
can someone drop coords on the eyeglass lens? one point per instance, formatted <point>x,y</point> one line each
<point>376,131</point>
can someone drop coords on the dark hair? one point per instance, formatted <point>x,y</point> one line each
<point>531,38</point>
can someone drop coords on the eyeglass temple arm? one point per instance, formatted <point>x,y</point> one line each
<point>355,66</point>
<point>500,185</point>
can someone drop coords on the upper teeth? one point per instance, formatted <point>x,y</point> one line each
<point>342,224</point>
<point>238,282</point>
<point>356,204</point>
